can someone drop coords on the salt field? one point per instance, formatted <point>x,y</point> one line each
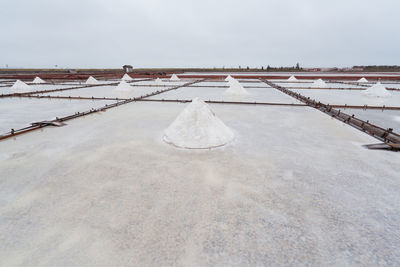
<point>199,171</point>
<point>199,133</point>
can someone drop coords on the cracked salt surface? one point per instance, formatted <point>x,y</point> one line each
<point>294,188</point>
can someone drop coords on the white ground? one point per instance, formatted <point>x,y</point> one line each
<point>108,91</point>
<point>384,118</point>
<point>295,187</point>
<point>36,87</point>
<point>350,97</point>
<point>17,113</point>
<point>211,93</point>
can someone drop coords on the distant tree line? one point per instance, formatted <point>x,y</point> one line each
<point>383,68</point>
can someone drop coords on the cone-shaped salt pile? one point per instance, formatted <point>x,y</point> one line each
<point>229,78</point>
<point>123,86</point>
<point>198,127</point>
<point>158,81</point>
<point>174,78</point>
<point>38,80</point>
<point>91,80</point>
<point>377,90</point>
<point>319,83</point>
<point>235,88</point>
<point>362,80</point>
<point>126,77</point>
<point>20,86</point>
<point>292,79</point>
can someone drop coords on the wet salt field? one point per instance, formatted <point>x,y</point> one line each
<point>294,187</point>
<point>108,91</point>
<point>38,87</point>
<point>39,109</point>
<point>350,97</point>
<point>384,118</point>
<point>217,94</point>
<point>18,113</point>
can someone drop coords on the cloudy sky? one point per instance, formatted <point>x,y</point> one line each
<point>198,33</point>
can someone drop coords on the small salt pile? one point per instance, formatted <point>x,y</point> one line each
<point>197,127</point>
<point>38,80</point>
<point>229,78</point>
<point>292,78</point>
<point>92,80</point>
<point>319,84</point>
<point>126,77</point>
<point>174,78</point>
<point>123,86</point>
<point>235,88</point>
<point>362,80</point>
<point>377,90</point>
<point>158,81</point>
<point>20,86</point>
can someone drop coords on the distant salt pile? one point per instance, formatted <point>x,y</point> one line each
<point>158,81</point>
<point>292,79</point>
<point>319,83</point>
<point>377,90</point>
<point>123,86</point>
<point>92,80</point>
<point>229,78</point>
<point>174,78</point>
<point>197,127</point>
<point>126,77</point>
<point>235,88</point>
<point>20,86</point>
<point>38,80</point>
<point>362,80</point>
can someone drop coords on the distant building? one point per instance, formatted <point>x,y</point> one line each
<point>127,68</point>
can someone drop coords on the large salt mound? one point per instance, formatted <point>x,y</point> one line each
<point>20,86</point>
<point>377,90</point>
<point>38,80</point>
<point>362,80</point>
<point>292,78</point>
<point>174,78</point>
<point>123,86</point>
<point>126,77</point>
<point>198,127</point>
<point>319,83</point>
<point>92,80</point>
<point>235,88</point>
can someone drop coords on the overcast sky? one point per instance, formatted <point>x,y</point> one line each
<point>198,33</point>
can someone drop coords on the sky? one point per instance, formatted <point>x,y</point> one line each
<point>198,33</point>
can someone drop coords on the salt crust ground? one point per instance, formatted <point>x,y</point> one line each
<point>295,188</point>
